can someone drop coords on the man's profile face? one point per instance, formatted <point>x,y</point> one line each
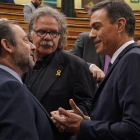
<point>45,24</point>
<point>103,32</point>
<point>23,51</point>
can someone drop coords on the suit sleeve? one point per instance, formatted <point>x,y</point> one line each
<point>128,87</point>
<point>83,89</point>
<point>77,48</point>
<point>17,118</point>
<point>27,12</point>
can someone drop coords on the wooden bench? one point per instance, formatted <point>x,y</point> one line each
<point>12,16</point>
<point>136,11</point>
<point>137,16</point>
<point>137,23</point>
<point>11,10</point>
<point>80,14</point>
<point>137,31</point>
<point>14,6</point>
<point>78,28</point>
<point>71,39</point>
<point>69,46</point>
<point>85,15</point>
<point>78,21</point>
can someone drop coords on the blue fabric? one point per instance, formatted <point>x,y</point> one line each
<point>7,1</point>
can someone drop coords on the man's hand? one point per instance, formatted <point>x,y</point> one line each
<point>77,110</point>
<point>97,72</point>
<point>70,121</point>
<point>58,125</point>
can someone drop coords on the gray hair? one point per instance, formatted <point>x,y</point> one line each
<point>47,10</point>
<point>115,10</point>
<point>6,32</point>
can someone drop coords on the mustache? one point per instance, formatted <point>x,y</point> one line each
<point>46,43</point>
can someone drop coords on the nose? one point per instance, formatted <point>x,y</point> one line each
<point>32,46</point>
<point>92,34</point>
<point>47,37</point>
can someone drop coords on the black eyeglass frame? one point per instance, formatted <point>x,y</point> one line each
<point>47,32</point>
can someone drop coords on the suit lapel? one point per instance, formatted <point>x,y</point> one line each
<point>99,90</point>
<point>51,74</point>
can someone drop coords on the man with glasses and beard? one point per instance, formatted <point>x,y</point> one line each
<point>57,76</point>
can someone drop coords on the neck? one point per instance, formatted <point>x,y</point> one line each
<point>122,40</point>
<point>11,65</point>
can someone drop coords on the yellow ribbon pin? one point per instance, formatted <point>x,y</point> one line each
<point>58,73</point>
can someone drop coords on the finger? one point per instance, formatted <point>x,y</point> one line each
<point>56,112</point>
<point>94,74</point>
<point>73,105</point>
<point>57,118</point>
<point>99,76</point>
<point>71,111</point>
<point>64,112</point>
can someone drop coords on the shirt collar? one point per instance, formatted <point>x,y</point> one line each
<point>43,61</point>
<point>11,72</point>
<point>35,5</point>
<point>115,55</point>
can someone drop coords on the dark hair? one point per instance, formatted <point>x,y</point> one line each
<point>115,10</point>
<point>137,38</point>
<point>49,11</point>
<point>6,32</point>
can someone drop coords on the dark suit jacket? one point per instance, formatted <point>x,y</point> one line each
<point>22,117</point>
<point>74,82</point>
<point>115,112</point>
<point>85,49</point>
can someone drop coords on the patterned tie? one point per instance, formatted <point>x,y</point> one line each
<point>107,60</point>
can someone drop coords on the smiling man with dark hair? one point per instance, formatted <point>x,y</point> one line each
<point>115,108</point>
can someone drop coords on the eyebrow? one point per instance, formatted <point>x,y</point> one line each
<point>25,37</point>
<point>93,24</point>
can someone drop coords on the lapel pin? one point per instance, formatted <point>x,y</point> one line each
<point>58,73</point>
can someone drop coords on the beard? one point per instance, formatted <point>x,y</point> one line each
<point>22,61</point>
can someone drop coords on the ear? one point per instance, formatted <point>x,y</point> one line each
<point>6,45</point>
<point>121,22</point>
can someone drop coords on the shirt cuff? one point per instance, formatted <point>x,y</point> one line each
<point>91,67</point>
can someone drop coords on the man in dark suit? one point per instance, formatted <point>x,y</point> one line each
<point>30,8</point>
<point>85,49</point>
<point>115,110</point>
<point>57,75</point>
<point>22,117</point>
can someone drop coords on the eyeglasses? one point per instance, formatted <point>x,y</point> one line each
<point>43,33</point>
